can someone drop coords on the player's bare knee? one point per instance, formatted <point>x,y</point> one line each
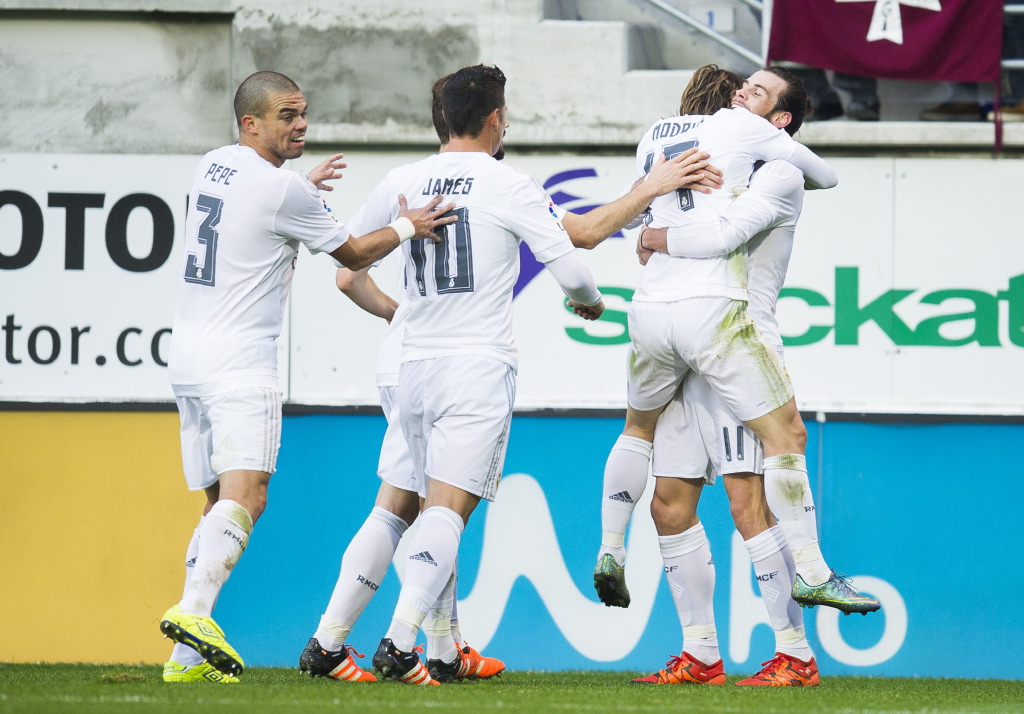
<point>402,503</point>
<point>642,424</point>
<point>671,517</point>
<point>257,505</point>
<point>798,435</point>
<point>749,518</point>
<point>659,509</point>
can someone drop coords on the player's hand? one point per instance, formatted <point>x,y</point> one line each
<point>587,312</point>
<point>651,241</point>
<point>327,170</point>
<point>427,218</point>
<point>710,179</point>
<point>690,169</point>
<point>642,253</point>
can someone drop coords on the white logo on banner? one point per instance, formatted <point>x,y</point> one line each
<point>887,22</point>
<point>520,541</point>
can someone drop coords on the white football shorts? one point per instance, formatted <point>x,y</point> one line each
<point>712,336</point>
<point>236,430</point>
<point>698,436</point>
<point>456,414</point>
<point>395,466</point>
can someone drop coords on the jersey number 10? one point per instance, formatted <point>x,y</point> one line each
<point>453,257</point>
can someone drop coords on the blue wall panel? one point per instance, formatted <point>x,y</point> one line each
<point>921,515</point>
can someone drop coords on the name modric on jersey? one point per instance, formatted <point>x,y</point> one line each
<point>674,127</point>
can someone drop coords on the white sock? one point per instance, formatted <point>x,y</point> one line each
<point>460,641</point>
<point>363,567</point>
<point>789,497</point>
<point>775,580</point>
<point>438,626</point>
<point>625,477</point>
<point>223,536</point>
<point>183,654</point>
<point>430,563</point>
<point>690,572</point>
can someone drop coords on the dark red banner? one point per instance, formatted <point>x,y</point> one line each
<point>942,40</point>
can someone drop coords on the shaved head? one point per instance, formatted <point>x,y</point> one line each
<point>253,94</point>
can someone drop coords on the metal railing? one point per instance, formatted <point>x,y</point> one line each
<point>705,30</point>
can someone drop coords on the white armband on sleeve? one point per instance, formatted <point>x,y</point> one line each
<point>574,277</point>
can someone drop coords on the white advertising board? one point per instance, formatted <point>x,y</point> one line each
<point>905,294</point>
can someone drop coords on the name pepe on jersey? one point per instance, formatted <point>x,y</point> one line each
<point>220,174</point>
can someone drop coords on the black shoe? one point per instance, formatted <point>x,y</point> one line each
<point>318,662</point>
<point>610,582</point>
<point>828,109</point>
<point>404,667</point>
<point>444,672</point>
<point>863,109</point>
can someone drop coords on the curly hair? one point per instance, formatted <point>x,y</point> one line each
<point>710,89</point>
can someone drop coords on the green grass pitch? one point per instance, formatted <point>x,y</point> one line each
<point>123,688</point>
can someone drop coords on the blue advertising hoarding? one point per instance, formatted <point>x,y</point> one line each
<point>904,509</point>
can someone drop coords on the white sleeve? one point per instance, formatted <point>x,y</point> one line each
<point>770,198</point>
<point>576,280</point>
<point>379,209</point>
<point>769,142</point>
<point>532,216</point>
<point>817,172</point>
<point>305,217</point>
<point>735,227</point>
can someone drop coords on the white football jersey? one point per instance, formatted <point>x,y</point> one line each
<point>735,139</point>
<point>389,359</point>
<point>245,221</point>
<point>764,217</point>
<point>777,192</point>
<point>458,292</point>
<point>698,425</point>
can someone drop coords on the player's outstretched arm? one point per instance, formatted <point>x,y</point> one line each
<point>362,251</point>
<point>578,284</point>
<point>327,170</point>
<point>690,169</point>
<point>361,289</point>
<point>817,172</point>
